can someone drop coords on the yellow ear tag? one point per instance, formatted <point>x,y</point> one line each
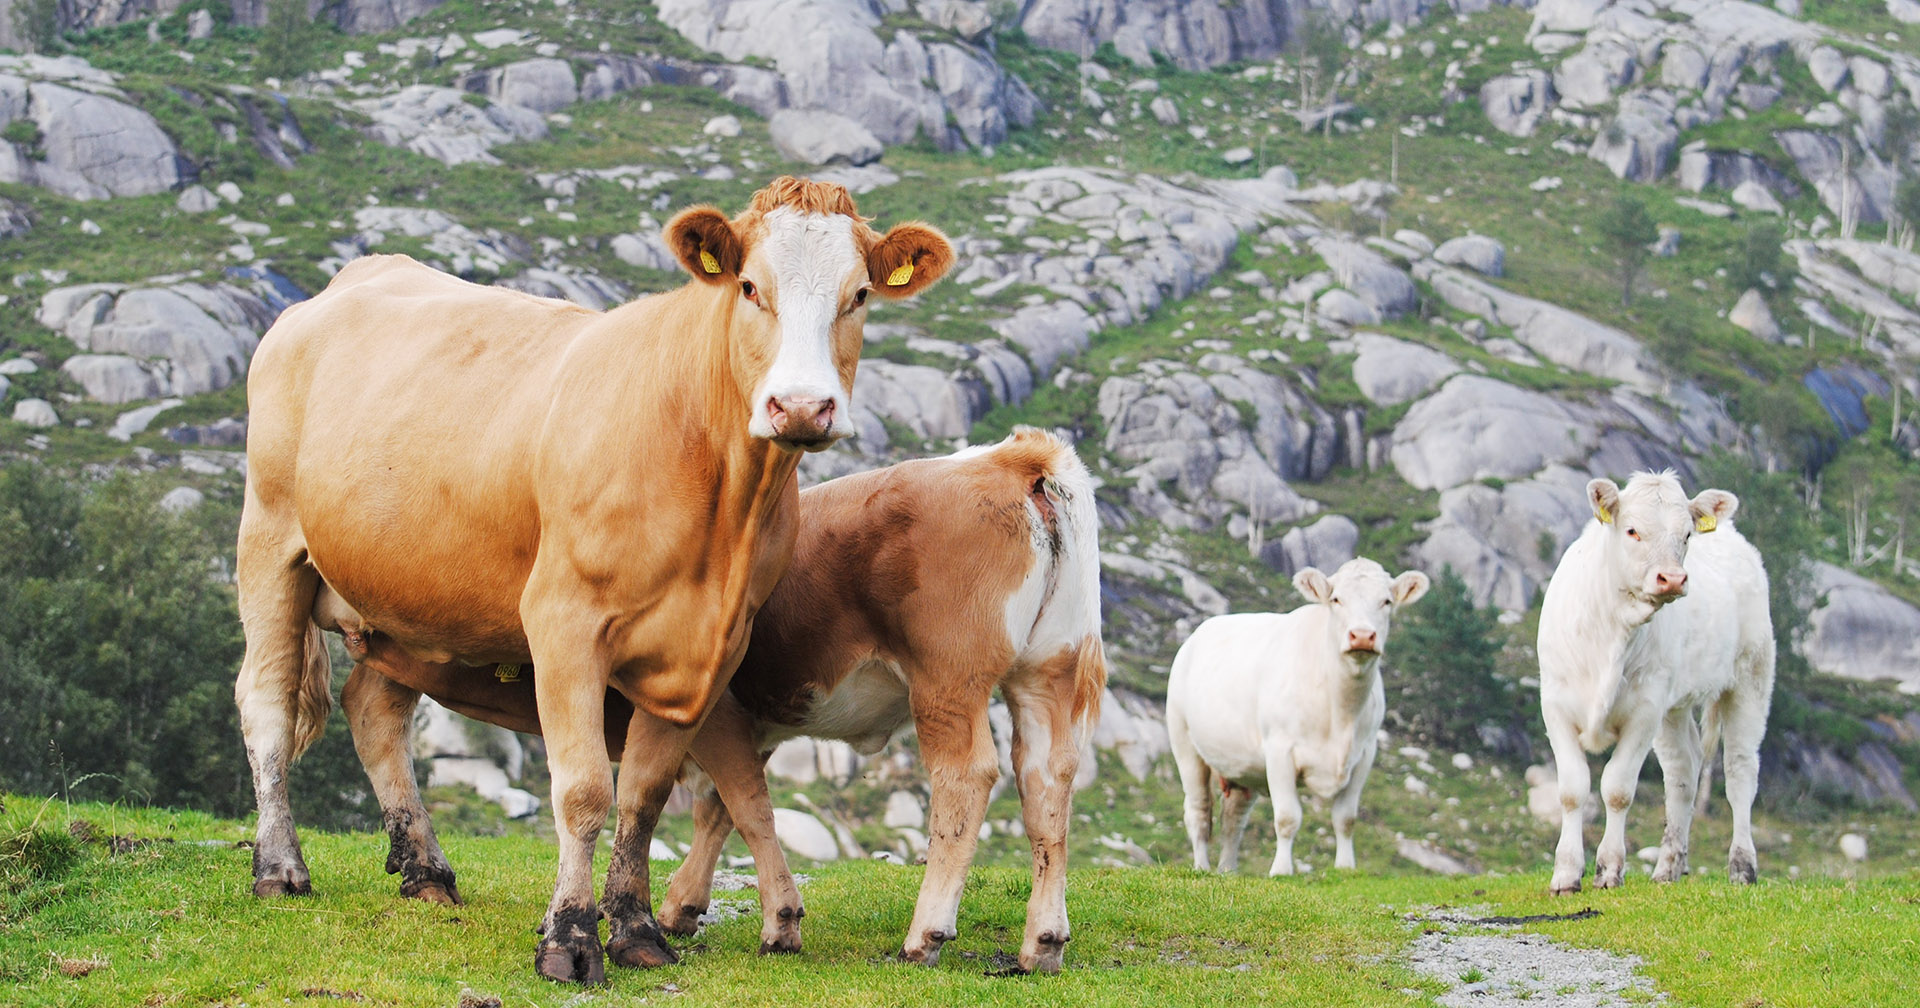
<point>1605,516</point>
<point>900,276</point>
<point>1705,523</point>
<point>708,262</point>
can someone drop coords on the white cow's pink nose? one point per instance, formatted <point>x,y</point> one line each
<point>1670,584</point>
<point>1362,640</point>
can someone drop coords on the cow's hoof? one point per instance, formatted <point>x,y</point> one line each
<point>269,887</point>
<point>1561,887</point>
<point>641,951</point>
<point>578,962</point>
<point>1741,869</point>
<point>926,951</point>
<point>1607,879</point>
<point>432,891</point>
<point>682,920</point>
<point>1045,956</point>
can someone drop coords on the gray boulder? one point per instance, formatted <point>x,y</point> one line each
<point>111,378</point>
<point>1589,78</point>
<point>1478,253</point>
<point>95,147</point>
<point>1326,544</point>
<point>1346,308</point>
<point>193,338</point>
<point>1193,36</point>
<point>1368,274</point>
<point>544,85</point>
<point>819,137</point>
<point>1561,336</point>
<point>1889,266</point>
<point>1638,144</point>
<point>1390,371</point>
<point>1828,67</point>
<point>1504,542</point>
<point>1862,188</point>
<point>1048,333</point>
<point>35,413</point>
<point>1751,195</point>
<point>1751,313</point>
<point>926,400</point>
<point>196,199</point>
<point>1701,169</point>
<point>1862,631</point>
<point>440,123</point>
<point>1476,427</point>
<point>1515,103</point>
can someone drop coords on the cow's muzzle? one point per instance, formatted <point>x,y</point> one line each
<point>802,422</point>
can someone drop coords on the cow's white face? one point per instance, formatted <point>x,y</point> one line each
<point>1647,529</point>
<point>798,283</point>
<point>1362,599</point>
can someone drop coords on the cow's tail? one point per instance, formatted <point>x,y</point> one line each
<point>313,695</point>
<point>1062,492</point>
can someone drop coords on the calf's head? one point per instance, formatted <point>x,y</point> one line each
<point>1362,599</point>
<point>1647,527</point>
<point>797,270</point>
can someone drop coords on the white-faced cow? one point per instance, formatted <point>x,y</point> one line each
<point>1658,610</point>
<point>914,592</point>
<point>465,479</point>
<point>1273,701</point>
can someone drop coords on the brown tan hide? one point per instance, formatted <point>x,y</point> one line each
<point>460,478</point>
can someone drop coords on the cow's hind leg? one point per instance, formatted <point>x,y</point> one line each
<point>1196,783</point>
<point>1678,746</point>
<point>1743,719</point>
<point>1346,810</point>
<point>655,750</point>
<point>727,748</point>
<point>1617,783</point>
<point>380,712</point>
<point>1236,810</point>
<point>1046,756</point>
<point>950,715</point>
<point>690,890</point>
<point>283,690</point>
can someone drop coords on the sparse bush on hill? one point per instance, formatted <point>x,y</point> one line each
<point>1441,686</point>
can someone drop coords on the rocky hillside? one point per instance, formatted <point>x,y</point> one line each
<point>1302,281</point>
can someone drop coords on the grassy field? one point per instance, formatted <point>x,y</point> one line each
<point>162,916</point>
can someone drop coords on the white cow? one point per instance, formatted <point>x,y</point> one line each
<point>1270,701</point>
<point>1658,610</point>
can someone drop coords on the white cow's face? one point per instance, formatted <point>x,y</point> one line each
<point>1362,599</point>
<point>1648,527</point>
<point>800,268</point>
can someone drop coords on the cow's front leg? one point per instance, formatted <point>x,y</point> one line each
<point>380,711</point>
<point>1616,790</point>
<point>1283,787</point>
<point>727,748</point>
<point>1678,746</point>
<point>957,744</point>
<point>571,696</point>
<point>655,749</point>
<point>1576,782</point>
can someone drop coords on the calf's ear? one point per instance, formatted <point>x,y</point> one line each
<point>1408,587</point>
<point>1711,507</point>
<point>908,260</point>
<point>1313,584</point>
<point>1604,497</point>
<point>706,244</point>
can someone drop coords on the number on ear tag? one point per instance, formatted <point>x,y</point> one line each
<point>708,262</point>
<point>1705,523</point>
<point>506,673</point>
<point>900,276</point>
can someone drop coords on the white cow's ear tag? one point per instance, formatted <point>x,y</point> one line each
<point>708,262</point>
<point>1705,523</point>
<point>1605,516</point>
<point>900,276</point>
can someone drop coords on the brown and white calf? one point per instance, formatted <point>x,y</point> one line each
<point>916,590</point>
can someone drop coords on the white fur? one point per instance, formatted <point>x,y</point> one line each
<point>1620,668</point>
<point>1268,701</point>
<point>810,255</point>
<point>867,709</point>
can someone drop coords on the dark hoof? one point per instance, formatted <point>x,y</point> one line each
<point>1045,957</point>
<point>681,920</point>
<point>1740,868</point>
<point>268,887</point>
<point>432,891</point>
<point>787,942</point>
<point>1565,890</point>
<point>641,952</point>
<point>581,963</point>
<point>928,952</point>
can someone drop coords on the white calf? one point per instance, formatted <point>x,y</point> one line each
<point>1645,623</point>
<point>1270,701</point>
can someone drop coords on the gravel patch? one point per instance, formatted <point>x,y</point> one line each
<point>1526,970</point>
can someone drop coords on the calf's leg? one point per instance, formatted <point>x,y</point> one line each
<point>1678,746</point>
<point>1236,810</point>
<point>1576,782</point>
<point>1743,720</point>
<point>727,748</point>
<point>1196,783</point>
<point>690,890</point>
<point>951,718</point>
<point>1616,790</point>
<point>1346,810</point>
<point>1046,756</point>
<point>1283,787</point>
<point>380,712</point>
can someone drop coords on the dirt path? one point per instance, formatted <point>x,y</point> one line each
<point>1507,969</point>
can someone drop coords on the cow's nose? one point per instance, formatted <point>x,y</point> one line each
<point>1362,640</point>
<point>801,421</point>
<point>1671,583</point>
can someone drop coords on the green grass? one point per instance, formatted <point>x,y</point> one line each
<point>171,922</point>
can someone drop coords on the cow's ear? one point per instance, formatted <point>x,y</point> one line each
<point>908,260</point>
<point>1408,587</point>
<point>706,244</point>
<point>1313,584</point>
<point>1711,508</point>
<point>1604,496</point>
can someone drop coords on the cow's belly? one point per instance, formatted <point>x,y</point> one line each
<point>865,709</point>
<point>1236,756</point>
<point>436,620</point>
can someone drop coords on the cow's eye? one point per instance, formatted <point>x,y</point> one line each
<point>1633,535</point>
<point>860,296</point>
<point>749,291</point>
<point>1336,600</point>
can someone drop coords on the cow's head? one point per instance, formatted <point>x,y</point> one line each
<point>1363,599</point>
<point>798,269</point>
<point>1647,527</point>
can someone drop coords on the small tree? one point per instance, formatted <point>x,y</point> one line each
<point>37,23</point>
<point>286,40</point>
<point>1440,681</point>
<point>1320,53</point>
<point>1757,261</point>
<point>1627,229</point>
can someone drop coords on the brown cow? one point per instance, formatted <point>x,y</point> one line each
<point>914,591</point>
<point>466,478</point>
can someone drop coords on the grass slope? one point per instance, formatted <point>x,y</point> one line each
<point>170,922</point>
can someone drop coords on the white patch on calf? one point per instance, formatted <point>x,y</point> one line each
<point>810,256</point>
